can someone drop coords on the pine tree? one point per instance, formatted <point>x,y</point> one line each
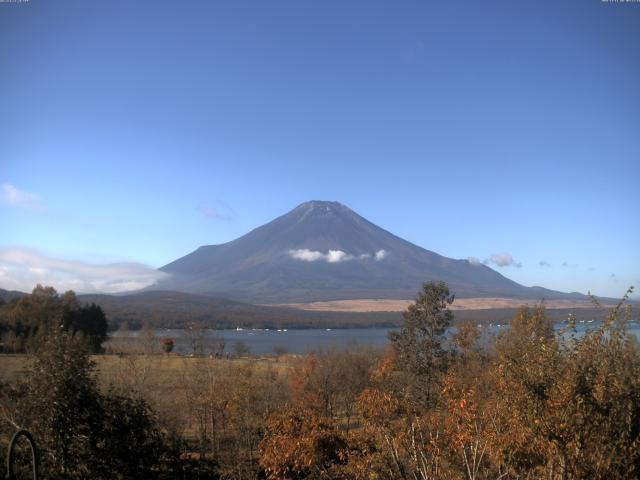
<point>419,341</point>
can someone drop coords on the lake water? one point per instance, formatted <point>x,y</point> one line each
<point>293,341</point>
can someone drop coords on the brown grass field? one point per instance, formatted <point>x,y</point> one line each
<point>160,367</point>
<point>170,383</point>
<point>377,305</point>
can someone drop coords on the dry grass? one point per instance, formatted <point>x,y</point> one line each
<point>12,367</point>
<point>156,369</point>
<point>378,305</point>
<point>168,382</point>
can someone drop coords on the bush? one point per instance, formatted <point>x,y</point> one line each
<point>167,344</point>
<point>83,433</point>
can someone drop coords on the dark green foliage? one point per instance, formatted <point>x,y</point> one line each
<point>130,445</point>
<point>62,407</point>
<point>419,341</point>
<point>90,321</point>
<point>25,322</point>
<point>83,433</point>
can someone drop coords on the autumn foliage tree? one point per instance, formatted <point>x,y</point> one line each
<point>167,344</point>
<point>312,437</point>
<point>539,403</point>
<point>569,406</point>
<point>302,444</point>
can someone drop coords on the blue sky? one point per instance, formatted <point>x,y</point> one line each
<point>135,131</point>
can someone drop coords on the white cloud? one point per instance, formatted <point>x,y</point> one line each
<point>380,254</point>
<point>332,256</point>
<point>11,195</point>
<point>474,260</point>
<point>502,260</point>
<point>22,268</point>
<point>336,256</point>
<point>542,263</point>
<point>306,255</point>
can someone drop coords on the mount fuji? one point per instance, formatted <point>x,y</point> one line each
<point>325,251</point>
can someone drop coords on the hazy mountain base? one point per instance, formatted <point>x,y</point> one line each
<point>160,309</point>
<point>178,310</point>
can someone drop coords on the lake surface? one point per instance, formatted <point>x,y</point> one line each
<point>293,341</point>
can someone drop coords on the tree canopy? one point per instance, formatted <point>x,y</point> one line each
<point>419,343</point>
<point>25,322</point>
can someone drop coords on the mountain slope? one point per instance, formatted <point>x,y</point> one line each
<point>322,251</point>
<point>8,295</point>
